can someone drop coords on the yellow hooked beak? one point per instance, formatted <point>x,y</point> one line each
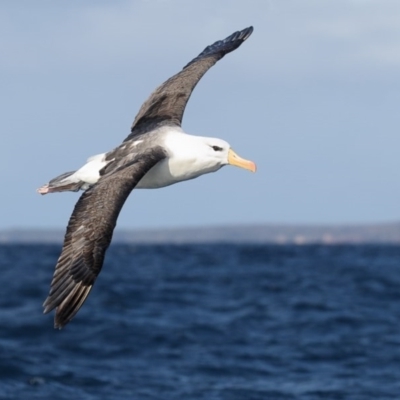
<point>234,159</point>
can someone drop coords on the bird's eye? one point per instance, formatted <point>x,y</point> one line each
<point>216,148</point>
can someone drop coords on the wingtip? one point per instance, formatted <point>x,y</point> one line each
<point>46,307</point>
<point>247,32</point>
<point>58,325</point>
<point>241,35</point>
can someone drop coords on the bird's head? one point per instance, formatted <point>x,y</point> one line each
<point>192,156</point>
<point>220,153</point>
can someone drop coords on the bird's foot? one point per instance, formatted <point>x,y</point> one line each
<point>43,189</point>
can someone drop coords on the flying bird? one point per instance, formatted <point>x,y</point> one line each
<point>156,153</point>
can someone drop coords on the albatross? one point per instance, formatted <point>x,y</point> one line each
<point>156,153</point>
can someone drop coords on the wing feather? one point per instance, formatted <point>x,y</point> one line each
<point>89,234</point>
<point>167,103</point>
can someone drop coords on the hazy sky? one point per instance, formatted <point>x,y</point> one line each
<point>312,97</point>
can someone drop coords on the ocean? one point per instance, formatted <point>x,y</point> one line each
<point>220,321</point>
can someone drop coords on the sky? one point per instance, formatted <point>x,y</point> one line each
<point>312,97</point>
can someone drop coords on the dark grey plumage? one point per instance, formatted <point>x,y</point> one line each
<point>93,220</point>
<point>89,234</point>
<point>167,103</point>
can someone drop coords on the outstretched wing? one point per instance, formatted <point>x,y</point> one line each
<point>89,234</point>
<point>167,103</point>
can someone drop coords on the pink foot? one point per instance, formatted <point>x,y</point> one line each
<point>43,189</point>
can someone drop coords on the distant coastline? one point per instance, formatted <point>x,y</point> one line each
<point>267,233</point>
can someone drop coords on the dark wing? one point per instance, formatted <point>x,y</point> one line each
<point>167,103</point>
<point>89,234</point>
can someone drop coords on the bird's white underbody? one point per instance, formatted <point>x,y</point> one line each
<point>188,157</point>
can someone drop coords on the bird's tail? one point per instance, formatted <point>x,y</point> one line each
<point>62,183</point>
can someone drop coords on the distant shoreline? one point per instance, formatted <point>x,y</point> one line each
<point>267,233</point>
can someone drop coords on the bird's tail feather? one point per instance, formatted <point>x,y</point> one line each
<point>61,183</point>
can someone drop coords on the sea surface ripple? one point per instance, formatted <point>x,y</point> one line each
<point>207,322</point>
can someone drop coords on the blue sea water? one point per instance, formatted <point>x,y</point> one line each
<point>207,322</point>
